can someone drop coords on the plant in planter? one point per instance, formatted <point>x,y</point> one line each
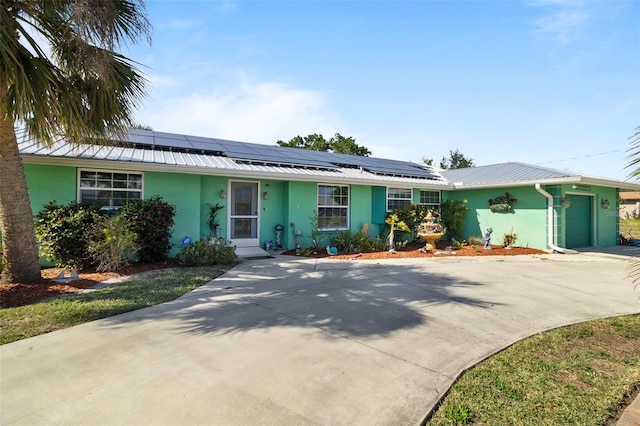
<point>502,204</point>
<point>213,219</point>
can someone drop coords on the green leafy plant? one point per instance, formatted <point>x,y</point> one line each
<point>315,234</point>
<point>413,214</point>
<point>213,218</point>
<point>501,208</point>
<point>64,233</point>
<point>151,220</point>
<point>114,244</point>
<point>203,253</point>
<point>351,242</point>
<point>458,414</point>
<point>395,225</point>
<point>453,213</point>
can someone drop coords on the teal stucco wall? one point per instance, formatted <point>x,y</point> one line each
<point>293,201</point>
<point>50,183</point>
<point>527,220</point>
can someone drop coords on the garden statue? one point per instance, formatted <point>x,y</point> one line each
<point>487,239</point>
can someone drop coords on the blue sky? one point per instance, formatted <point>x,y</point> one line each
<point>550,82</point>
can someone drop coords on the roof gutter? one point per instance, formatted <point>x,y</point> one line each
<point>550,226</point>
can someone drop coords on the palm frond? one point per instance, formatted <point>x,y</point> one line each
<point>634,155</point>
<point>83,90</point>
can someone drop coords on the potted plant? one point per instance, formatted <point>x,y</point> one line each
<point>214,226</point>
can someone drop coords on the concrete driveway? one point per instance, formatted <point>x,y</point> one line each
<point>289,341</point>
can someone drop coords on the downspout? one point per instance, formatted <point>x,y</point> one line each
<point>550,233</point>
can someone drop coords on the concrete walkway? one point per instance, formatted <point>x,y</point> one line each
<point>290,341</point>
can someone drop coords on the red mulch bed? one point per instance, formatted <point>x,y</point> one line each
<point>413,251</point>
<point>18,294</point>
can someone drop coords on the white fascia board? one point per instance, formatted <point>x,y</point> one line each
<point>610,183</point>
<point>559,181</point>
<point>236,173</point>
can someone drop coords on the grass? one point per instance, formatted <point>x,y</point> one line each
<point>630,228</point>
<point>572,375</point>
<point>136,293</point>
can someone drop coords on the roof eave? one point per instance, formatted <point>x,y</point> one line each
<point>209,171</point>
<point>556,181</point>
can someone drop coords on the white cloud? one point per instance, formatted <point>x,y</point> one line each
<point>565,20</point>
<point>261,112</point>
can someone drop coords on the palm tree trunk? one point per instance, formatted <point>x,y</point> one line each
<point>19,246</point>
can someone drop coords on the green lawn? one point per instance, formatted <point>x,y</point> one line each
<point>576,375</point>
<point>630,228</point>
<point>136,293</point>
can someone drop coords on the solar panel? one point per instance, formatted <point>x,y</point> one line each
<point>275,154</point>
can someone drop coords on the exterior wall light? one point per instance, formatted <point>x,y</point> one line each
<point>265,195</point>
<point>605,204</point>
<point>223,194</point>
<point>565,202</point>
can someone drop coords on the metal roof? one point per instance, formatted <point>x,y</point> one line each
<point>149,150</point>
<point>520,174</point>
<point>503,173</point>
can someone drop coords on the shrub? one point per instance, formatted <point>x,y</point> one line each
<point>203,253</point>
<point>453,213</point>
<point>64,233</point>
<point>113,245</point>
<point>508,240</point>
<point>476,241</point>
<point>151,220</point>
<point>350,242</point>
<point>413,214</point>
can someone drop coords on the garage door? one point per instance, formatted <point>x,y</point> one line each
<point>579,218</point>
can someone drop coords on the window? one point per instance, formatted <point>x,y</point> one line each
<point>430,198</point>
<point>109,189</point>
<point>398,197</point>
<point>333,207</point>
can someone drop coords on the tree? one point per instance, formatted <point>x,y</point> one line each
<point>456,160</point>
<point>338,144</point>
<point>81,91</point>
<point>314,142</point>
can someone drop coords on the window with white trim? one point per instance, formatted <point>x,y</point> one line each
<point>109,189</point>
<point>398,197</point>
<point>430,198</point>
<point>333,207</point>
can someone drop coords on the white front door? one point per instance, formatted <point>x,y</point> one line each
<point>244,213</point>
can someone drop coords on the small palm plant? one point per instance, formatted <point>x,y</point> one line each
<point>395,224</point>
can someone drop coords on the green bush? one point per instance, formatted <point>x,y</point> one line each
<point>151,220</point>
<point>413,214</point>
<point>64,233</point>
<point>114,244</point>
<point>203,253</point>
<point>453,213</point>
<point>351,242</point>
